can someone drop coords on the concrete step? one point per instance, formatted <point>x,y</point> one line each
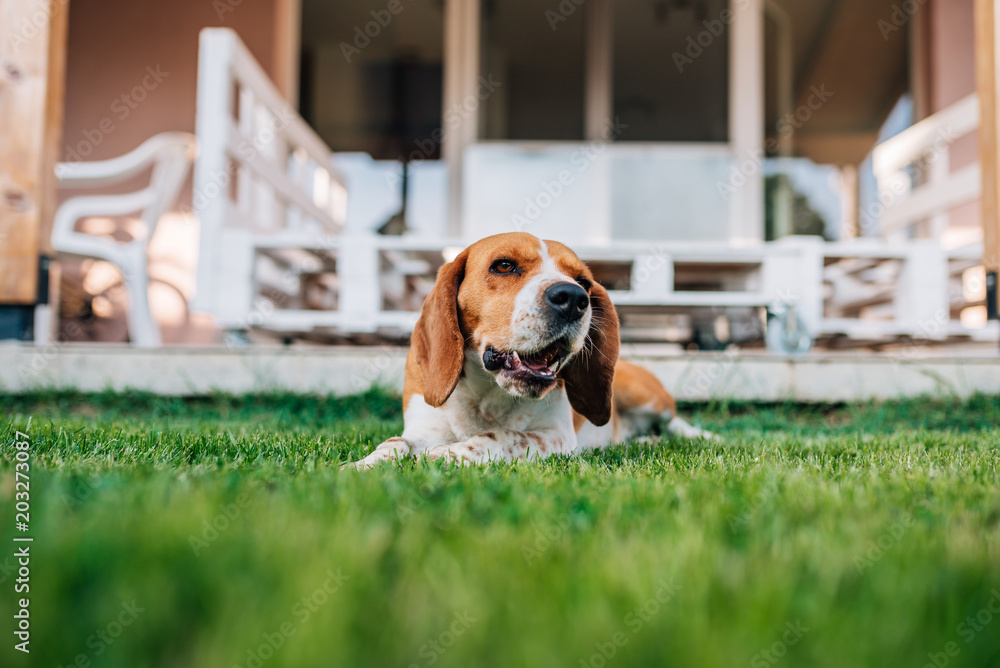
<point>749,375</point>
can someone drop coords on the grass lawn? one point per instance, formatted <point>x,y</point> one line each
<point>218,532</point>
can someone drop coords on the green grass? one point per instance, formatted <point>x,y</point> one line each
<point>850,535</point>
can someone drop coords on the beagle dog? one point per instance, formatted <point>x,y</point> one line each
<point>515,356</point>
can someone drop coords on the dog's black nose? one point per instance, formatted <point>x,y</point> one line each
<point>569,300</point>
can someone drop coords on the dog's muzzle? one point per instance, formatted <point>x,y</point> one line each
<point>541,365</point>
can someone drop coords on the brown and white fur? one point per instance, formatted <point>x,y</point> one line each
<point>515,356</point>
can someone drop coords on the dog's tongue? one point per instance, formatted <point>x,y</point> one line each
<point>536,361</point>
<point>539,362</point>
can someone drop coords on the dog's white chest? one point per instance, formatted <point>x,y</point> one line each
<point>470,414</point>
<point>478,404</point>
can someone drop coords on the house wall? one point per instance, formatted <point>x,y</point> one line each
<point>132,73</point>
<point>952,52</point>
<point>111,45</point>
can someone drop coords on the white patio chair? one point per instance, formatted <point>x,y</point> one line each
<point>170,155</point>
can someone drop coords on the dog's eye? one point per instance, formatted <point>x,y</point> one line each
<point>504,267</point>
<point>585,284</point>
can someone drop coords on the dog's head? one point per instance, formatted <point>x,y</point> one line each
<point>531,313</point>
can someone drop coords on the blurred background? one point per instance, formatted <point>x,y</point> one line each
<point>781,175</point>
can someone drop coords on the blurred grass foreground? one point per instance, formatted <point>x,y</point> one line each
<point>219,532</point>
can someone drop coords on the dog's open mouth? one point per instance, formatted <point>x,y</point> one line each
<point>542,364</point>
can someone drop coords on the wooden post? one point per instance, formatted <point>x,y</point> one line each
<point>919,38</point>
<point>987,82</point>
<point>287,46</point>
<point>746,116</point>
<point>32,77</point>
<point>599,68</point>
<point>461,83</point>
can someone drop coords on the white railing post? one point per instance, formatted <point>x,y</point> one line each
<point>652,273</point>
<point>811,283</point>
<point>922,291</point>
<point>794,277</point>
<point>211,177</point>
<point>360,289</point>
<point>237,265</point>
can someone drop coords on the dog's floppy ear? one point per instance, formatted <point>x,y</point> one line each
<point>437,337</point>
<point>591,373</point>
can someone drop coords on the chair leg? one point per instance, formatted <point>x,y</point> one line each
<point>142,328</point>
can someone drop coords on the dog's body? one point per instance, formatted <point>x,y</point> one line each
<point>515,356</point>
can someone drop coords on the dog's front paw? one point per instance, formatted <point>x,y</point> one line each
<point>391,450</point>
<point>456,453</point>
<point>678,427</point>
<point>364,464</point>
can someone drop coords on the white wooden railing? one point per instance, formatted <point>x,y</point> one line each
<point>288,241</point>
<point>262,173</point>
<point>924,199</point>
<point>904,282</point>
<point>283,247</point>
